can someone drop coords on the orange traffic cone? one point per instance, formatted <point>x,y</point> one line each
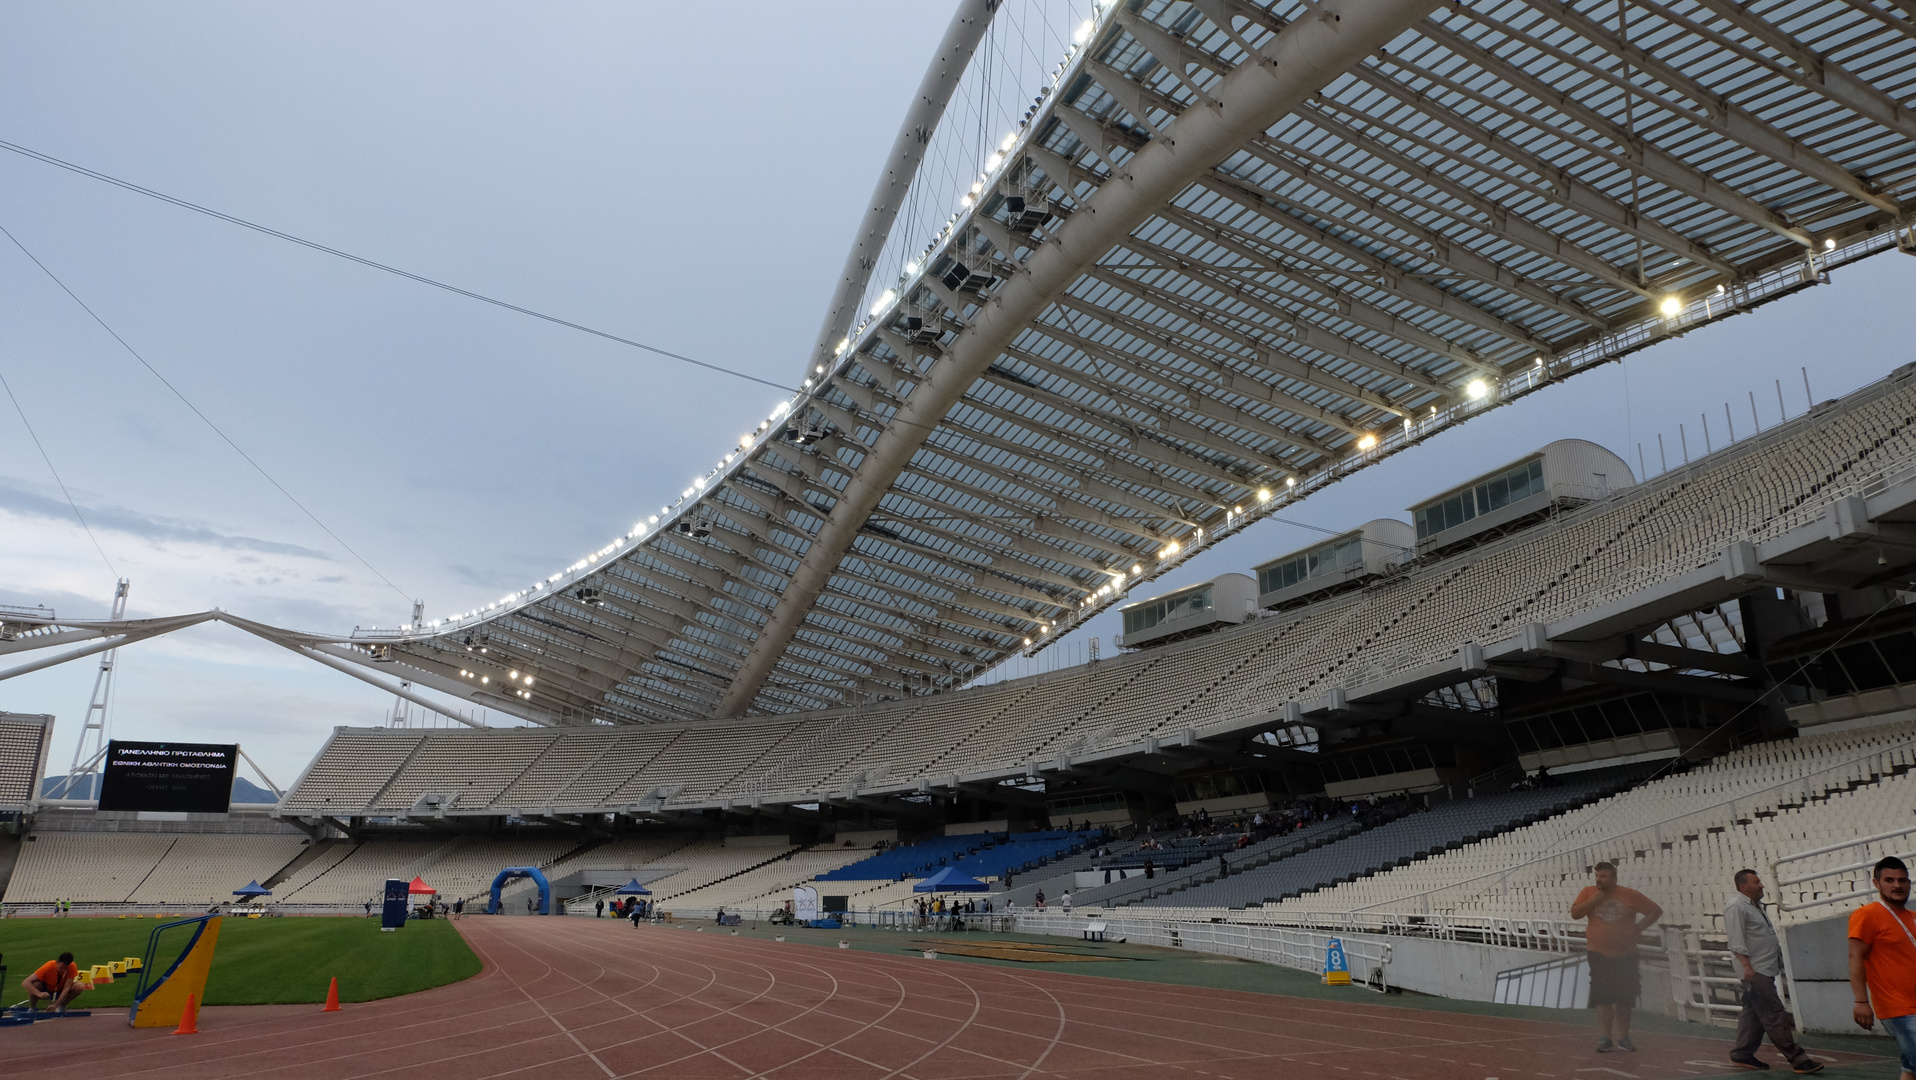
<point>189,1020</point>
<point>332,996</point>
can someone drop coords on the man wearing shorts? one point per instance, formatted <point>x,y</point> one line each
<point>1882,960</point>
<point>57,982</point>
<point>1617,916</point>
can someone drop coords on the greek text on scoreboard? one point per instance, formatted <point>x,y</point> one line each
<point>195,778</point>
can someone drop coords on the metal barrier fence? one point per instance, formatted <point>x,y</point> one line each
<point>1542,934</point>
<point>1284,946</point>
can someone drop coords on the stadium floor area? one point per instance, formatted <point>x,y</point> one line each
<point>586,998</point>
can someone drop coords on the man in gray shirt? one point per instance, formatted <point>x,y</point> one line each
<point>1759,960</point>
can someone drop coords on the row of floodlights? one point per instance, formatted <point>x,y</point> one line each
<point>1669,307</point>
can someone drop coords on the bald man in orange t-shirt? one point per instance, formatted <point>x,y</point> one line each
<point>1618,916</point>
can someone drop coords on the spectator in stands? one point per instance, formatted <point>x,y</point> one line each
<point>1150,868</point>
<point>1759,958</point>
<point>56,982</point>
<point>1882,960</point>
<point>598,908</point>
<point>1617,917</point>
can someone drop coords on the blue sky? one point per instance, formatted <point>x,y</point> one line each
<point>687,175</point>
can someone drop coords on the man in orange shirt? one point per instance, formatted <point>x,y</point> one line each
<point>1882,960</point>
<point>1617,916</point>
<point>57,982</point>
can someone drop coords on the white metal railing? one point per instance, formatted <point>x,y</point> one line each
<point>1559,983</point>
<point>1779,882</point>
<point>1703,975</point>
<point>1285,946</point>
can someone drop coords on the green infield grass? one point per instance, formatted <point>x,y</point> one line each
<point>257,961</point>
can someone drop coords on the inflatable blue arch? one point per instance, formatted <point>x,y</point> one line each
<point>513,873</point>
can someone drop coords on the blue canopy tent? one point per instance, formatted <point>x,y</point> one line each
<point>252,888</point>
<point>950,880</point>
<point>632,888</point>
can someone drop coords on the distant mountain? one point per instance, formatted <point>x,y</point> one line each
<point>54,787</point>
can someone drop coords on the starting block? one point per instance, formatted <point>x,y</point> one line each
<point>24,1013</point>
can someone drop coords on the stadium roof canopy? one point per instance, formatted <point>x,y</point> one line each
<point>1231,253</point>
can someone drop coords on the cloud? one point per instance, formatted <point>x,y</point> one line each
<point>25,503</point>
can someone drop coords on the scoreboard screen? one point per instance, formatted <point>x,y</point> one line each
<point>196,778</point>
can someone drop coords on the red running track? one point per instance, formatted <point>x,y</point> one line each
<point>591,999</point>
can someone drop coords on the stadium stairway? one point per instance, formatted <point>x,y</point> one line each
<point>1196,872</point>
<point>310,853</point>
<point>662,897</point>
<point>1400,842</point>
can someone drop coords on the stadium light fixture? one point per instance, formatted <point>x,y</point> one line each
<point>528,683</point>
<point>1671,307</point>
<point>1366,442</point>
<point>1829,244</point>
<point>878,307</point>
<point>1084,32</point>
<point>1263,494</point>
<point>1477,389</point>
<point>1290,481</point>
<point>1170,549</point>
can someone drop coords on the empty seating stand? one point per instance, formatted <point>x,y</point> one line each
<point>1414,836</point>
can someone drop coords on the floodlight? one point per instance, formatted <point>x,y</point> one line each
<point>1671,306</point>
<point>1477,389</point>
<point>1290,481</point>
<point>1366,442</point>
<point>1829,245</point>
<point>1263,494</point>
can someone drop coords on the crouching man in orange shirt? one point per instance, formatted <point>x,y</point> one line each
<point>57,982</point>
